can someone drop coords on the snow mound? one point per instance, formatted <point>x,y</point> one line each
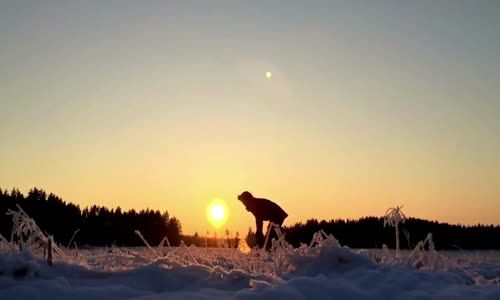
<point>327,256</point>
<point>18,265</point>
<point>326,271</point>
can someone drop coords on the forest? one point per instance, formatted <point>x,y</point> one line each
<point>101,226</point>
<point>94,226</point>
<point>369,232</point>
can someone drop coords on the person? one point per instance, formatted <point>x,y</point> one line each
<point>263,210</point>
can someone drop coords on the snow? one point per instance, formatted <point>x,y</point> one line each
<point>322,270</point>
<point>326,270</point>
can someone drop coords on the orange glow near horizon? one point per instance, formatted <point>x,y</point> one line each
<point>217,213</point>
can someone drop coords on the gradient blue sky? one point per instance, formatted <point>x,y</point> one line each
<point>165,104</point>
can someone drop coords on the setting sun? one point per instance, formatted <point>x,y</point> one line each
<point>217,213</point>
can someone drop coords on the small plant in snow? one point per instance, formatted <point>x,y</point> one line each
<point>146,242</point>
<point>394,216</point>
<point>29,236</point>
<point>73,237</point>
<point>162,243</point>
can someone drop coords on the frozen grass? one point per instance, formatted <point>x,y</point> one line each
<point>394,216</point>
<point>27,236</point>
<point>321,269</point>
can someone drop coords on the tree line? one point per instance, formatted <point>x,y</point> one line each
<point>369,232</point>
<point>94,226</point>
<point>100,226</point>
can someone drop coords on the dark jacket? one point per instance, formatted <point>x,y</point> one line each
<point>263,209</point>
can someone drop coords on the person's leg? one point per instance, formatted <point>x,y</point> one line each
<point>259,236</point>
<point>268,236</point>
<point>273,234</point>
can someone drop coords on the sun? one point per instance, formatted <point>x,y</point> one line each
<point>269,74</point>
<point>217,213</point>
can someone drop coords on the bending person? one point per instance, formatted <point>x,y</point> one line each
<point>263,210</point>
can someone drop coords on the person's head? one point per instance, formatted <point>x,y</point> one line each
<point>246,199</point>
<point>245,196</point>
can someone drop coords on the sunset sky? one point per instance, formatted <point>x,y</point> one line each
<point>166,105</point>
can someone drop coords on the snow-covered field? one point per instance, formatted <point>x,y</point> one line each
<point>322,270</point>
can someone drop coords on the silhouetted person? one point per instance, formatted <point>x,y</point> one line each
<point>263,210</point>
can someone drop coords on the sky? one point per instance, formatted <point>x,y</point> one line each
<point>166,105</point>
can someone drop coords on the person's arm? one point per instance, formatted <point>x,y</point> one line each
<point>259,223</point>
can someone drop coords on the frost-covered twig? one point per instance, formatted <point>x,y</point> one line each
<point>74,234</point>
<point>163,242</point>
<point>146,242</point>
<point>394,216</point>
<point>24,226</point>
<point>49,251</point>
